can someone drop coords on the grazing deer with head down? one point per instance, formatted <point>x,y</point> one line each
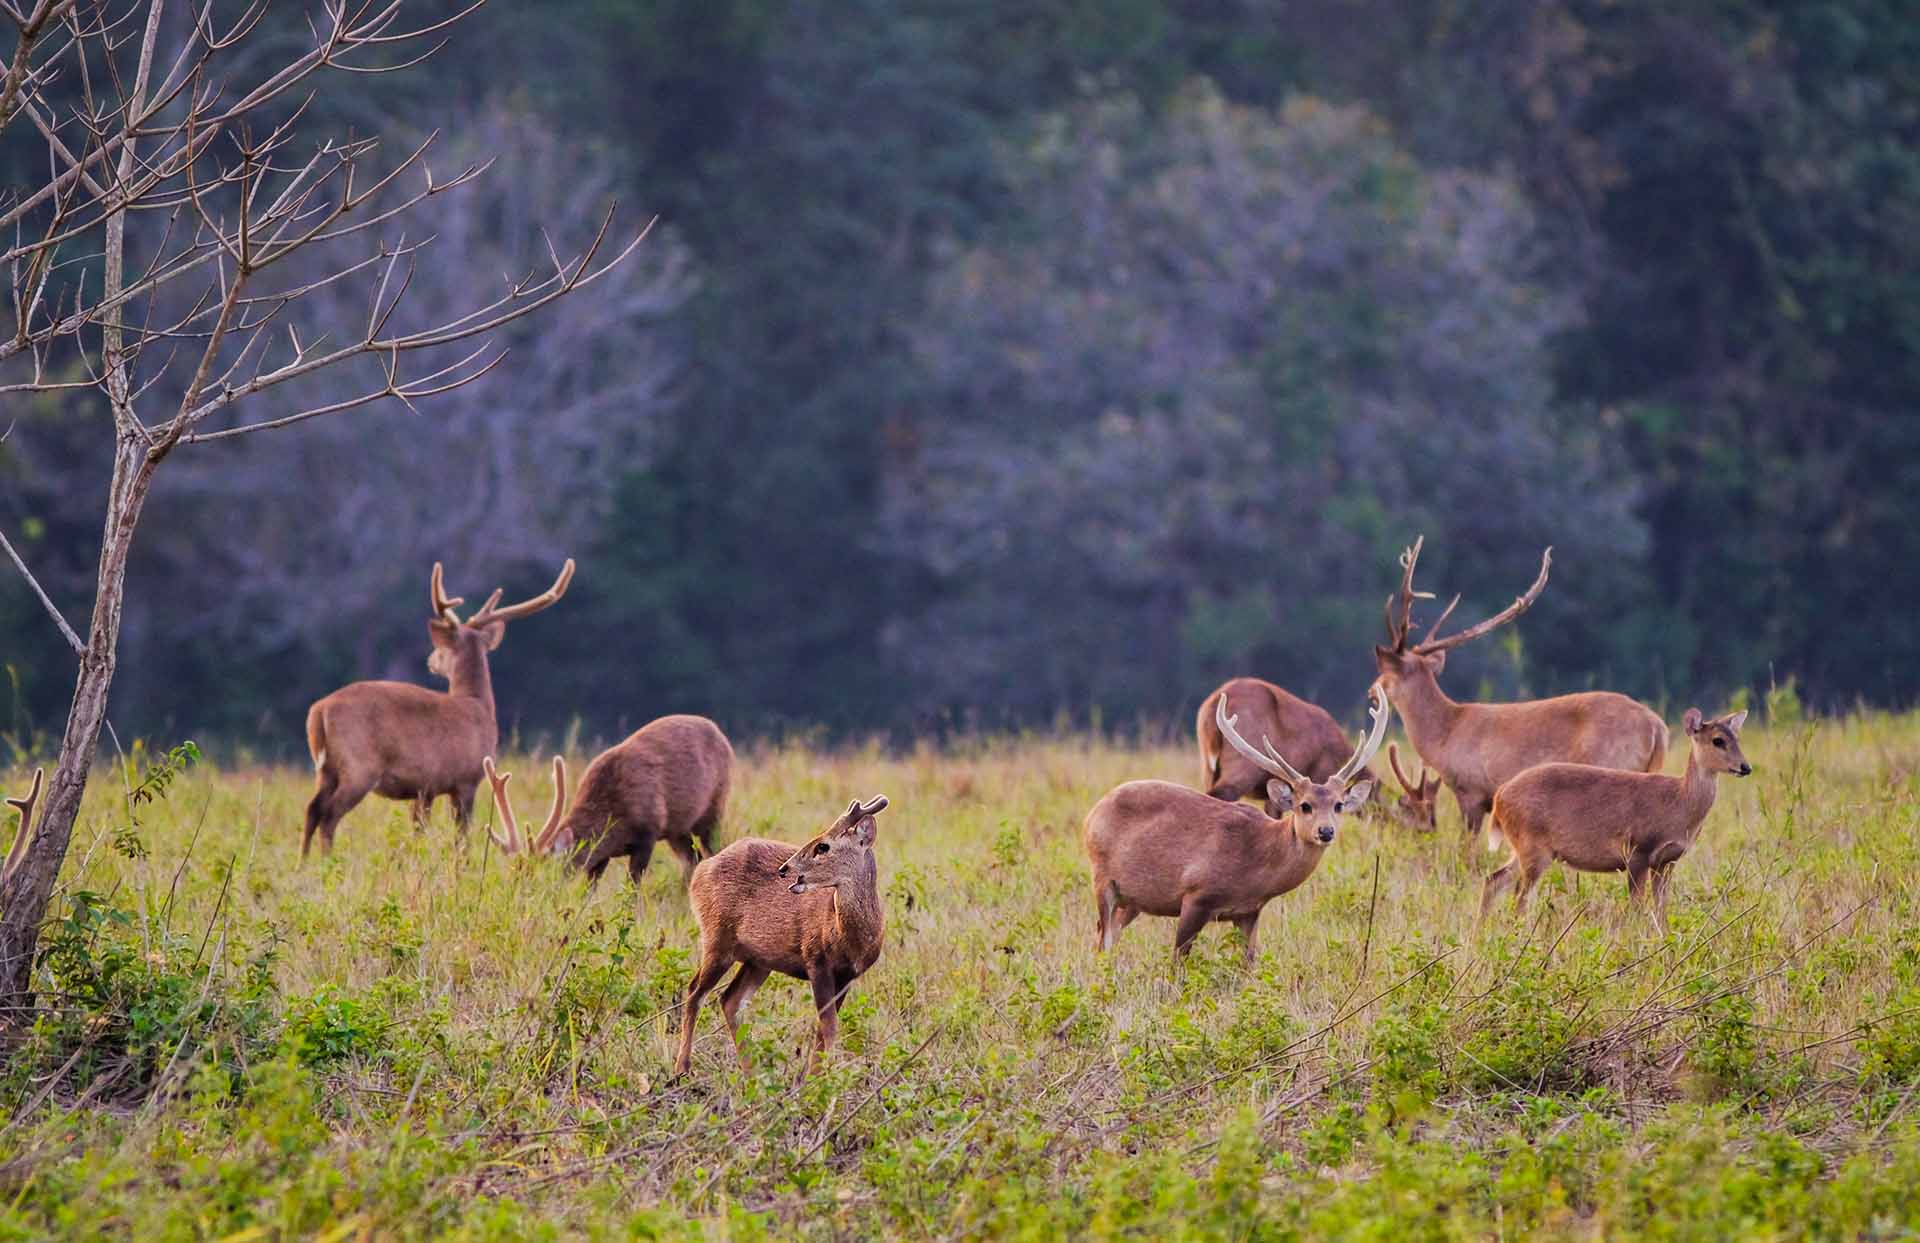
<point>406,742</point>
<point>1477,747</point>
<point>811,912</point>
<point>1157,848</point>
<point>1303,730</point>
<point>668,782</point>
<point>1603,820</point>
<point>1419,804</point>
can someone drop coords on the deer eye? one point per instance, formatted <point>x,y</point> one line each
<point>1721,743</point>
<point>1307,807</point>
<point>820,848</point>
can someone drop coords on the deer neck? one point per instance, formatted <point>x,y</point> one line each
<point>471,678</point>
<point>1697,788</point>
<point>1289,860</point>
<point>857,919</point>
<point>1426,713</point>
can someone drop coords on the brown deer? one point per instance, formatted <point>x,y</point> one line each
<point>1303,730</point>
<point>811,912</point>
<point>1476,747</point>
<point>666,782</point>
<point>406,742</point>
<point>509,839</point>
<point>1603,820</point>
<point>1419,804</point>
<point>25,833</point>
<point>1157,848</point>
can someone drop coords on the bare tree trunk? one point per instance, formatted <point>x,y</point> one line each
<point>24,895</point>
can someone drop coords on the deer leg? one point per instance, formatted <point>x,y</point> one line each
<point>344,800</point>
<point>683,848</point>
<point>637,860</point>
<point>1497,882</point>
<point>826,1008</point>
<point>1193,917</point>
<point>742,987</point>
<point>463,807</point>
<point>1249,926</point>
<point>1105,899</point>
<point>1531,870</point>
<point>422,810</point>
<point>712,967</point>
<point>317,807</point>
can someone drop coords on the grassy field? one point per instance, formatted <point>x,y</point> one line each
<point>405,1041</point>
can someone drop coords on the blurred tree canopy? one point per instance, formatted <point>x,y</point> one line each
<point>1003,359</point>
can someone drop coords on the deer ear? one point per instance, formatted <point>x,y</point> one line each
<point>1690,721</point>
<point>1356,796</point>
<point>1280,794</point>
<point>1439,662</point>
<point>1735,721</point>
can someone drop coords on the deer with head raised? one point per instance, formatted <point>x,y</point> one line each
<point>406,742</point>
<point>1157,848</point>
<point>1476,747</point>
<point>1604,820</point>
<point>811,912</point>
<point>1303,730</point>
<point>1419,804</point>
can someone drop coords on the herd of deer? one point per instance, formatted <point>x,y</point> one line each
<point>1576,778</point>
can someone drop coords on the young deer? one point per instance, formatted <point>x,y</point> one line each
<point>667,782</point>
<point>812,913</point>
<point>406,742</point>
<point>1419,804</point>
<point>1306,731</point>
<point>1476,747</point>
<point>1157,848</point>
<point>509,840</point>
<point>25,833</point>
<point>1603,820</point>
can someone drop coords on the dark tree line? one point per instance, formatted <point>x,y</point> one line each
<point>1004,359</point>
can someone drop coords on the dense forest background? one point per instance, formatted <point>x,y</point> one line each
<point>1000,361</point>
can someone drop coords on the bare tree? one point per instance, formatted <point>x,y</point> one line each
<point>161,114</point>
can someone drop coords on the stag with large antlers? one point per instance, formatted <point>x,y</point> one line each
<point>406,742</point>
<point>1303,730</point>
<point>1477,747</point>
<point>1157,848</point>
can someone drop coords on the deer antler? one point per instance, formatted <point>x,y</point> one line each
<point>513,843</point>
<point>25,807</point>
<point>490,612</point>
<point>1520,605</point>
<point>1271,760</point>
<point>1399,625</point>
<point>437,595</point>
<point>509,844</point>
<point>1416,789</point>
<point>1369,743</point>
<point>545,840</point>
